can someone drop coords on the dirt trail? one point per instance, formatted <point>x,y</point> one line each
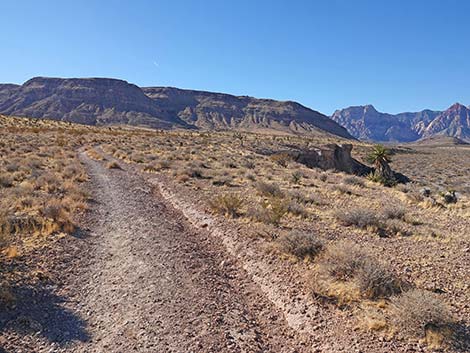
<point>155,284</point>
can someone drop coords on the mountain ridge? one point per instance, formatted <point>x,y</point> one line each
<point>366,123</point>
<point>220,111</point>
<point>106,101</point>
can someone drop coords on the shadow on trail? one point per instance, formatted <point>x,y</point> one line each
<point>461,339</point>
<point>38,311</point>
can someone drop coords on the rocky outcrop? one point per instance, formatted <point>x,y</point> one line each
<point>332,156</point>
<point>102,101</point>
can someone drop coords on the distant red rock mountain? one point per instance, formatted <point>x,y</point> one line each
<point>366,123</point>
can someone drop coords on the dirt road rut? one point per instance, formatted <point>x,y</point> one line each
<point>155,284</point>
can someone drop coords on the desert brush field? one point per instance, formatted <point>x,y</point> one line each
<point>271,255</point>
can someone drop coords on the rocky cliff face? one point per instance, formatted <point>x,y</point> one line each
<point>366,123</point>
<point>94,101</point>
<point>209,110</point>
<point>454,122</point>
<point>102,101</point>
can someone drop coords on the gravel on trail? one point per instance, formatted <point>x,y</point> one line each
<point>140,278</point>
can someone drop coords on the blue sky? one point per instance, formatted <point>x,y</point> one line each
<point>398,55</point>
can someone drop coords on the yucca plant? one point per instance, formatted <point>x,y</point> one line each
<point>380,157</point>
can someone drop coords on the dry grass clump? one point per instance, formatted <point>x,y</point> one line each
<point>359,217</point>
<point>397,227</point>
<point>57,215</point>
<point>6,181</point>
<point>164,164</point>
<point>221,180</point>
<point>348,273</point>
<point>281,159</point>
<point>137,157</point>
<point>193,172</point>
<point>296,208</point>
<point>229,205</point>
<point>270,211</point>
<point>299,244</point>
<point>269,189</point>
<point>94,154</point>
<point>421,314</point>
<point>297,177</point>
<point>394,212</point>
<point>354,180</point>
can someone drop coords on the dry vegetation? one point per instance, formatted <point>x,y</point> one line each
<point>40,192</point>
<point>331,227</point>
<point>321,216</point>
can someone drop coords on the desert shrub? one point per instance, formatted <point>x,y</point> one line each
<point>296,208</point>
<point>281,159</point>
<point>228,205</point>
<point>297,196</point>
<point>421,314</point>
<point>164,164</point>
<point>404,188</point>
<point>342,260</point>
<point>137,157</point>
<point>73,172</point>
<point>323,176</point>
<point>49,182</point>
<point>194,172</point>
<point>415,196</point>
<point>300,244</point>
<point>297,177</point>
<point>344,189</point>
<point>222,180</point>
<point>347,266</point>
<point>360,217</point>
<point>269,189</point>
<point>376,281</point>
<point>251,176</point>
<point>378,178</point>
<point>305,198</point>
<point>6,181</point>
<point>230,164</point>
<point>57,211</point>
<point>94,154</point>
<point>249,164</point>
<point>394,212</point>
<point>397,227</point>
<point>33,162</point>
<point>12,167</point>
<point>271,211</point>
<point>354,180</point>
<point>18,224</point>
